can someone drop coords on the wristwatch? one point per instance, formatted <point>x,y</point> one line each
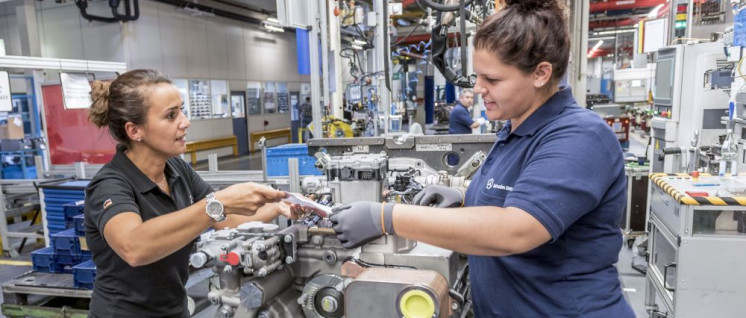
<point>214,208</point>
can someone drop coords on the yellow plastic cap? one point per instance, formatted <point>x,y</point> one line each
<point>417,304</point>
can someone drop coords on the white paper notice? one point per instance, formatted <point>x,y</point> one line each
<point>6,104</point>
<point>76,91</point>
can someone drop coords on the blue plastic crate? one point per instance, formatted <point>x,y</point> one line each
<point>16,172</point>
<point>79,222</point>
<point>84,274</point>
<point>45,260</point>
<point>277,160</point>
<point>66,242</point>
<point>66,261</point>
<point>72,209</point>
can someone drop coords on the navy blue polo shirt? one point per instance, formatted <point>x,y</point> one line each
<point>460,121</point>
<point>563,166</point>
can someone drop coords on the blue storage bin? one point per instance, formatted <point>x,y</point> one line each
<point>16,172</point>
<point>72,209</point>
<point>66,261</point>
<point>66,242</point>
<point>45,260</point>
<point>79,222</point>
<point>277,160</point>
<point>84,274</point>
<point>86,256</point>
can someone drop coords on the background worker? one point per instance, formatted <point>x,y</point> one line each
<point>460,121</point>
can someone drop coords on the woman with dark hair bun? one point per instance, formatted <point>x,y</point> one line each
<point>540,217</point>
<point>146,207</point>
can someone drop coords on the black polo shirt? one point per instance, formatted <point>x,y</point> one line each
<point>154,290</point>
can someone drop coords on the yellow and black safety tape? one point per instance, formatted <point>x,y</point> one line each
<point>660,180</point>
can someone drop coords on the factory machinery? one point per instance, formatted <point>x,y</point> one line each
<point>301,270</point>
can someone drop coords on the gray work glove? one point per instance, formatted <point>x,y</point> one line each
<point>361,222</point>
<point>440,197</point>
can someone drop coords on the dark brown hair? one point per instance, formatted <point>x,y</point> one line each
<point>527,32</point>
<point>114,103</point>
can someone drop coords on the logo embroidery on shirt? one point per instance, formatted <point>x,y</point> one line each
<point>107,203</point>
<point>490,182</point>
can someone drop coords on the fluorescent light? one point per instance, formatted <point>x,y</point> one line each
<point>272,28</point>
<point>614,32</point>
<point>654,13</point>
<point>598,45</point>
<point>273,20</point>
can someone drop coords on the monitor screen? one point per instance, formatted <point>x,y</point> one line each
<point>664,80</point>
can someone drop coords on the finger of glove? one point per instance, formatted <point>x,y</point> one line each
<point>418,197</point>
<point>341,208</point>
<point>430,198</point>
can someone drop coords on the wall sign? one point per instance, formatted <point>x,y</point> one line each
<point>76,91</point>
<point>6,104</point>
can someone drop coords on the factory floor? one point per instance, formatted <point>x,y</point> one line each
<point>633,282</point>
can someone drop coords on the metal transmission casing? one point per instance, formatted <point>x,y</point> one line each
<point>303,271</point>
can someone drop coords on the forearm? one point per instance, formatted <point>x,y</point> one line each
<point>159,237</point>
<point>481,230</point>
<point>475,124</point>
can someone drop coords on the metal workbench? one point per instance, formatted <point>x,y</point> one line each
<point>697,232</point>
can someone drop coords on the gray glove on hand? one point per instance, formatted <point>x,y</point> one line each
<point>440,197</point>
<point>361,222</point>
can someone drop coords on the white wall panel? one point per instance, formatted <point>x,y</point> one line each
<point>13,40</point>
<point>253,55</point>
<point>101,41</point>
<point>62,33</point>
<point>217,47</point>
<point>173,46</point>
<point>236,51</point>
<point>143,39</point>
<point>196,49</point>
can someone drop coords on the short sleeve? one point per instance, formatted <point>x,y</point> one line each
<point>567,176</point>
<point>106,197</point>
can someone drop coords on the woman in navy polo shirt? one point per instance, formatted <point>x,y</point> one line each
<point>540,217</point>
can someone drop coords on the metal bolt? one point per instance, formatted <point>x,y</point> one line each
<point>330,257</point>
<point>288,238</point>
<point>475,163</point>
<point>329,304</point>
<point>454,306</point>
<point>317,239</point>
<point>262,272</point>
<point>289,260</point>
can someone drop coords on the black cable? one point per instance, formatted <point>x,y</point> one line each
<point>462,19</point>
<point>386,50</point>
<point>443,7</point>
<point>366,264</point>
<point>417,25</point>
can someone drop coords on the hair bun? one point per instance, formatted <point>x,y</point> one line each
<point>532,5</point>
<point>98,114</point>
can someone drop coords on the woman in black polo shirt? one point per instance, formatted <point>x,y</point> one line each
<point>146,207</point>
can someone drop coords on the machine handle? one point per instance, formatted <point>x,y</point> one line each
<point>671,150</point>
<point>665,276</point>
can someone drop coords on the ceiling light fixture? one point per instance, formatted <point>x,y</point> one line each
<point>272,28</point>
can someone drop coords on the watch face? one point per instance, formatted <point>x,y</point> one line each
<point>214,208</point>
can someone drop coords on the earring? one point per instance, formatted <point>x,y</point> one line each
<point>139,139</point>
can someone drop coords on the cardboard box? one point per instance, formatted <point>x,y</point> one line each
<point>13,129</point>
